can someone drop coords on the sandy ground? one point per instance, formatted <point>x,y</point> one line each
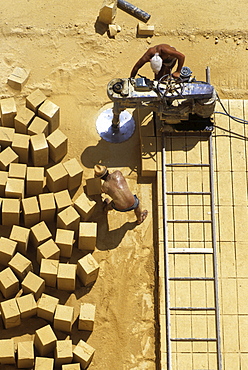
<point>72,59</point>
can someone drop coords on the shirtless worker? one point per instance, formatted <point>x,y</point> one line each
<point>117,188</point>
<point>162,58</point>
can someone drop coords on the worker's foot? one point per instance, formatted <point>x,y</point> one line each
<point>142,217</point>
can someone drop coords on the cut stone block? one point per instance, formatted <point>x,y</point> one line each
<point>25,354</point>
<point>86,316</point>
<point>38,126</point>
<point>7,351</point>
<point>63,352</point>
<point>10,212</point>
<point>83,353</point>
<point>108,12</point>
<point>84,206</point>
<point>45,340</point>
<point>20,265</point>
<point>63,318</point>
<point>23,119</point>
<point>87,269</point>
<point>145,29</point>
<point>51,113</point>
<point>7,250</point>
<point>9,284</point>
<point>74,366</point>
<point>10,313</point>
<point>15,188</point>
<point>35,99</point>
<point>148,156</point>
<point>33,284</point>
<point>94,186</point>
<point>6,136</point>
<point>75,172</point>
<point>20,236</point>
<point>57,178</point>
<point>8,112</point>
<point>62,200</point>
<point>35,180</point>
<point>112,30</point>
<point>58,145</point>
<point>27,306</point>
<point>20,145</point>
<point>47,207</point>
<point>46,307</point>
<point>18,78</point>
<point>49,271</point>
<point>3,180</point>
<point>87,236</point>
<point>39,234</point>
<point>68,219</point>
<point>66,278</point>
<point>31,211</point>
<point>43,363</point>
<point>18,170</point>
<point>48,250</point>
<point>7,156</point>
<point>39,150</point>
<point>64,240</point>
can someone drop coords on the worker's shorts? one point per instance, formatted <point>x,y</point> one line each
<point>135,205</point>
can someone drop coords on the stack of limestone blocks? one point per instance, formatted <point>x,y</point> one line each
<point>29,139</point>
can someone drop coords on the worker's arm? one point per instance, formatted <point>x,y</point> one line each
<point>146,58</point>
<point>180,61</point>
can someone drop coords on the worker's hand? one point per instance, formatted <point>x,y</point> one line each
<point>176,75</point>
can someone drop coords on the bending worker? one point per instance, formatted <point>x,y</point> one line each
<point>117,188</point>
<point>162,58</point>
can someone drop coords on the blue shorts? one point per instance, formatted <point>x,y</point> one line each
<point>135,205</point>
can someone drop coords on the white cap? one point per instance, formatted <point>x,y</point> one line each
<point>156,63</point>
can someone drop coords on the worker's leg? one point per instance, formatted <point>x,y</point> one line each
<point>107,205</point>
<point>141,215</point>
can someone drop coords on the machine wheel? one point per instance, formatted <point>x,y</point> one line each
<point>169,85</point>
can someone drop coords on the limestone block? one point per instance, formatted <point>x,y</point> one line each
<point>74,366</point>
<point>10,212</point>
<point>84,206</point>
<point>35,180</point>
<point>38,126</point>
<point>63,318</point>
<point>47,207</point>
<point>145,29</point>
<point>49,271</point>
<point>62,199</point>
<point>9,284</point>
<point>8,112</point>
<point>63,352</point>
<point>148,156</point>
<point>48,250</point>
<point>39,234</point>
<point>83,353</point>
<point>56,178</point>
<point>75,173</point>
<point>18,170</point>
<point>58,145</point>
<point>33,283</point>
<point>46,307</point>
<point>20,265</point>
<point>20,236</point>
<point>43,363</point>
<point>7,156</point>
<point>25,354</point>
<point>18,78</point>
<point>20,145</point>
<point>27,305</point>
<point>39,150</point>
<point>15,188</point>
<point>45,340</point>
<point>108,11</point>
<point>7,250</point>
<point>3,180</point>
<point>35,99</point>
<point>86,316</point>
<point>87,269</point>
<point>10,313</point>
<point>64,240</point>
<point>87,236</point>
<point>68,219</point>
<point>94,186</point>
<point>23,119</point>
<point>7,351</point>
<point>51,113</point>
<point>31,211</point>
<point>66,278</point>
<point>112,30</point>
<point>6,136</point>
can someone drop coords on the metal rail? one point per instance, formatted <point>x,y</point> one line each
<point>187,251</point>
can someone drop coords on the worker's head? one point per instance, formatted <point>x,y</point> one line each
<point>156,63</point>
<point>100,171</point>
